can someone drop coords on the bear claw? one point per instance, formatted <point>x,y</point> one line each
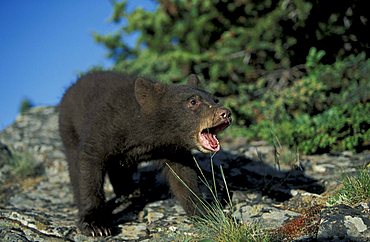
<point>95,230</point>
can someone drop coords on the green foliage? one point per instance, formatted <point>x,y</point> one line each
<point>216,226</point>
<point>283,67</point>
<point>327,109</point>
<point>229,41</point>
<point>339,128</point>
<point>24,165</point>
<point>26,104</point>
<point>355,189</point>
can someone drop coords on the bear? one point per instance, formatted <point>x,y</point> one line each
<point>109,122</point>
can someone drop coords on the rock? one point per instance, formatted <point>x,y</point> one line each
<point>35,132</point>
<point>344,223</point>
<point>5,154</point>
<point>134,231</point>
<point>41,208</point>
<point>269,216</point>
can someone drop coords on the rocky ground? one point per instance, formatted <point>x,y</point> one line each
<point>36,200</point>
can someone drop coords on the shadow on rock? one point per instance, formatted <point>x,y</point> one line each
<point>149,187</point>
<point>241,174</point>
<point>246,174</point>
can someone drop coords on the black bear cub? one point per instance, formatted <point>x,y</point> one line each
<point>110,122</point>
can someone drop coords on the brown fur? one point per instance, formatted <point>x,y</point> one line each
<point>110,122</point>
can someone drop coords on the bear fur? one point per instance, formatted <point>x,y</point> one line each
<point>110,122</point>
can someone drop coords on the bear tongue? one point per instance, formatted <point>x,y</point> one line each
<point>209,141</point>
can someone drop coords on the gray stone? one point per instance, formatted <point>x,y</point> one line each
<point>133,231</point>
<point>344,223</point>
<point>5,154</point>
<point>266,215</point>
<point>355,226</point>
<point>5,157</point>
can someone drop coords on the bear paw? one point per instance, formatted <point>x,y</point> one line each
<point>95,228</point>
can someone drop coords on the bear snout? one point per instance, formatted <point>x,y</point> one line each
<point>224,114</point>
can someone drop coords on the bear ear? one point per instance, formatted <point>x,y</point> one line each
<point>148,93</point>
<point>193,80</point>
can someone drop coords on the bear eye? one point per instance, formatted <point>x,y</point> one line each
<point>193,102</point>
<point>216,100</point>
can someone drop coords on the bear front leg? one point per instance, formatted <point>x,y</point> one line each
<point>94,220</point>
<point>178,174</point>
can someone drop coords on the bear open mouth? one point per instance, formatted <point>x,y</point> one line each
<point>208,138</point>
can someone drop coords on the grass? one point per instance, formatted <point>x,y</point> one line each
<point>355,189</point>
<point>217,224</point>
<point>283,155</point>
<point>23,172</point>
<point>23,165</point>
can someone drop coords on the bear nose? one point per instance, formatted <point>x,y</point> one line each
<point>225,113</point>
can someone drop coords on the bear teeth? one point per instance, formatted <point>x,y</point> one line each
<point>209,141</point>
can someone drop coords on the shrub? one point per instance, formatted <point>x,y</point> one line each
<point>325,110</point>
<point>265,58</point>
<point>25,105</point>
<point>355,189</point>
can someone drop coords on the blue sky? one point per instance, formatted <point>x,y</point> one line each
<point>44,44</point>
